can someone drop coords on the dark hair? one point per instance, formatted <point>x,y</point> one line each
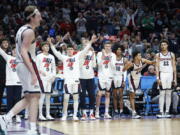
<point>106,42</point>
<point>4,39</point>
<point>164,41</point>
<point>135,53</point>
<point>70,46</point>
<point>28,11</point>
<point>116,46</point>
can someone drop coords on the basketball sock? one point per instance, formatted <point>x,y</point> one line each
<point>121,110</point>
<point>41,101</point>
<point>91,111</point>
<point>65,104</point>
<point>9,116</point>
<point>84,112</point>
<point>106,110</point>
<point>33,126</point>
<point>48,104</point>
<point>116,111</point>
<point>75,98</point>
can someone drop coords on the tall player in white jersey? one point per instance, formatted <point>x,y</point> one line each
<point>166,76</point>
<point>71,74</point>
<point>106,64</point>
<point>47,69</point>
<point>119,78</point>
<point>27,74</point>
<point>135,67</point>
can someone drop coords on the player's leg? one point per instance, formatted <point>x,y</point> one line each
<point>115,97</point>
<point>41,102</point>
<point>83,83</point>
<point>91,94</point>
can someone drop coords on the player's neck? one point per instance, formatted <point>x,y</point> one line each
<point>31,25</point>
<point>45,53</point>
<point>164,52</point>
<point>119,57</point>
<point>136,61</point>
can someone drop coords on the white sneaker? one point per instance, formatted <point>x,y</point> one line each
<point>84,117</point>
<point>18,119</point>
<point>32,132</point>
<point>107,116</point>
<point>92,117</point>
<point>3,123</point>
<point>97,115</point>
<point>41,117</point>
<point>64,118</point>
<point>75,118</point>
<point>135,116</point>
<point>49,117</point>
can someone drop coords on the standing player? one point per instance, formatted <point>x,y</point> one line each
<point>47,69</point>
<point>119,78</point>
<point>87,65</point>
<point>134,77</point>
<point>71,74</point>
<point>25,70</point>
<point>13,85</point>
<point>166,76</point>
<point>106,64</point>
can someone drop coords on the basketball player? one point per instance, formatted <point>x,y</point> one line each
<point>87,65</point>
<point>135,66</point>
<point>47,69</point>
<point>106,64</point>
<point>25,70</point>
<point>119,78</point>
<point>13,85</point>
<point>166,77</point>
<point>71,74</point>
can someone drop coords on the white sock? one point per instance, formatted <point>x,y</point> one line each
<point>75,98</point>
<point>41,102</point>
<point>106,110</point>
<point>91,111</point>
<point>133,111</point>
<point>9,116</point>
<point>116,110</point>
<point>121,110</point>
<point>48,105</point>
<point>33,126</point>
<point>84,112</point>
<point>65,104</point>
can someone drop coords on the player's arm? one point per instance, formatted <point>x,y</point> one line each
<point>28,37</point>
<point>157,68</point>
<point>88,46</point>
<point>148,61</point>
<point>128,65</point>
<point>174,68</point>
<point>56,53</point>
<point>3,54</point>
<point>53,67</point>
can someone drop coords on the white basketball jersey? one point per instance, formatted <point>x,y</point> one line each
<point>165,63</point>
<point>135,74</point>
<point>119,65</point>
<point>19,39</point>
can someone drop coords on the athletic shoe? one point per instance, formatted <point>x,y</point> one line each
<point>64,118</point>
<point>75,118</point>
<point>49,117</point>
<point>135,116</point>
<point>92,117</point>
<point>160,115</point>
<point>167,115</point>
<point>42,118</point>
<point>115,114</point>
<point>107,116</point>
<point>18,119</point>
<point>97,115</point>
<point>3,123</point>
<point>84,117</point>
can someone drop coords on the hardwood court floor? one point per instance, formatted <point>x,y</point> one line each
<point>117,127</point>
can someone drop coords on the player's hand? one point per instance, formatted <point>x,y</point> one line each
<point>49,40</point>
<point>159,82</point>
<point>34,79</point>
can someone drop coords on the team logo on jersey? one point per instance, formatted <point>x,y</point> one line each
<point>87,61</point>
<point>106,61</point>
<point>47,62</point>
<point>118,66</point>
<point>70,63</point>
<point>13,65</point>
